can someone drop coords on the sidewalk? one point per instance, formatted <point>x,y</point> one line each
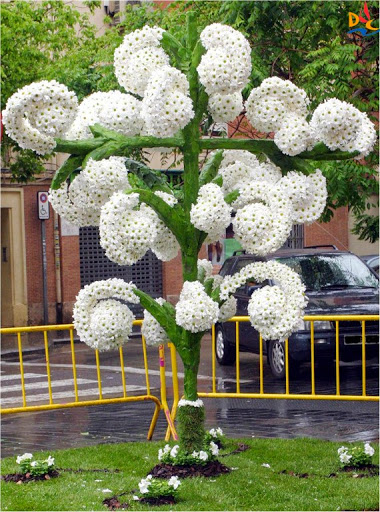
<point>86,426</point>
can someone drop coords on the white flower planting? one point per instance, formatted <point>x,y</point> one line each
<point>214,448</point>
<point>226,66</point>
<point>368,450</point>
<point>138,57</point>
<point>307,194</point>
<point>144,484</point>
<point>274,311</point>
<point>37,113</point>
<point>216,432</point>
<point>270,104</point>
<point>164,244</point>
<point>342,126</point>
<point>24,457</point>
<point>174,482</point>
<point>152,331</point>
<point>80,203</point>
<point>114,110</point>
<point>166,106</point>
<point>211,213</point>
<point>225,107</point>
<point>174,451</point>
<point>195,310</point>
<point>126,233</point>
<point>227,309</point>
<point>164,451</point>
<point>356,456</point>
<point>295,136</point>
<point>102,322</point>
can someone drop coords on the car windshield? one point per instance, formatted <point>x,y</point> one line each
<point>331,271</point>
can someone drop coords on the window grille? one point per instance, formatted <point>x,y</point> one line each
<point>296,238</point>
<point>146,274</point>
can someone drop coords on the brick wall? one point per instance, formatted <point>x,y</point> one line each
<point>34,258</point>
<point>172,276</point>
<point>334,232</point>
<point>70,266</point>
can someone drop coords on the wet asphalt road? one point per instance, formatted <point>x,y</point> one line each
<point>84,426</point>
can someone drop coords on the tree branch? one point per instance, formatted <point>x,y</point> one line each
<point>171,216</point>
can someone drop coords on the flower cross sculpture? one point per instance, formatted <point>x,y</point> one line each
<point>260,186</point>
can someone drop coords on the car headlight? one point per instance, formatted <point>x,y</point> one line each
<point>319,325</point>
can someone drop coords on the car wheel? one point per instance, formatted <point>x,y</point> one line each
<point>225,353</point>
<point>276,359</point>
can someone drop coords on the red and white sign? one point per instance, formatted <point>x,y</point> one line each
<point>43,206</point>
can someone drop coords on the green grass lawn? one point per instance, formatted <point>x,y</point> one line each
<point>250,486</point>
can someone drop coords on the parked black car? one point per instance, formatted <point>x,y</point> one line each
<point>372,261</point>
<point>337,283</point>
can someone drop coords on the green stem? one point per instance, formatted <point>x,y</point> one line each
<point>320,152</point>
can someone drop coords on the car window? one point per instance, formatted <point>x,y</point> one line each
<point>241,264</point>
<point>324,271</point>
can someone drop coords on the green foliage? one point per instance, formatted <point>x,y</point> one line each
<point>249,487</point>
<point>27,164</point>
<point>367,227</point>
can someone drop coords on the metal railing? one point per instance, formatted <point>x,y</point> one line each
<point>337,319</point>
<point>160,403</point>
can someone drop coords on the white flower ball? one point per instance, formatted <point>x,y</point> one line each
<point>227,309</point>
<point>152,331</point>
<point>225,107</point>
<point>100,321</point>
<point>307,194</point>
<point>342,126</point>
<point>195,310</point>
<point>113,110</point>
<point>294,136</point>
<point>112,323</point>
<point>211,213</point>
<point>269,104</point>
<point>165,245</point>
<point>166,107</point>
<point>126,233</point>
<point>37,113</point>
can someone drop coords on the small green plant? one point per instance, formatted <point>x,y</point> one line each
<point>35,467</point>
<point>157,488</point>
<point>356,456</point>
<point>177,457</point>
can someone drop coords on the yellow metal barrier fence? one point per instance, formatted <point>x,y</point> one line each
<point>286,395</point>
<point>161,403</point>
<point>76,402</point>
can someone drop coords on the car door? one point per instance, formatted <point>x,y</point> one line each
<point>249,337</point>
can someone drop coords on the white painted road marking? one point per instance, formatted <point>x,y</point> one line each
<point>26,376</point>
<point>39,385</point>
<point>84,393</point>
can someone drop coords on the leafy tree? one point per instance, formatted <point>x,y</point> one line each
<point>42,41</point>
